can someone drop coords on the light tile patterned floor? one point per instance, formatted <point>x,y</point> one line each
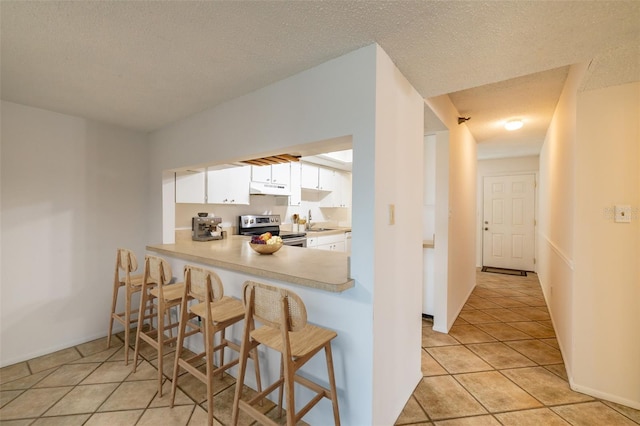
<point>500,364</point>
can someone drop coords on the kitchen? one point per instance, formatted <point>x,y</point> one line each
<point>308,196</point>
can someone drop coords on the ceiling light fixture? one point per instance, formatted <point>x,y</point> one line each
<point>513,125</point>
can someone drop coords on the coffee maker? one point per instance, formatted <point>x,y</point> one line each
<point>206,228</point>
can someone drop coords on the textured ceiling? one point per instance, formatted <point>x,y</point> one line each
<point>145,64</point>
<point>532,99</point>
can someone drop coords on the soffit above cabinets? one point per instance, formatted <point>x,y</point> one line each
<point>274,159</point>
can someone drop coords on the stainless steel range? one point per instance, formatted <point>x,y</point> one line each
<point>259,224</point>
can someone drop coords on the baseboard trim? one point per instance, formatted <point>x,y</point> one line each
<point>604,395</point>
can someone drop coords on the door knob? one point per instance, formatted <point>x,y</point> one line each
<point>486,229</point>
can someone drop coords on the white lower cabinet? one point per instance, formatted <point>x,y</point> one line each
<point>327,242</point>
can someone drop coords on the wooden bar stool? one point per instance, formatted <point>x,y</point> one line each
<point>203,289</point>
<point>285,329</point>
<point>126,263</point>
<point>159,296</point>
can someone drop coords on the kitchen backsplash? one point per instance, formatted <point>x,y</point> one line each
<point>261,204</point>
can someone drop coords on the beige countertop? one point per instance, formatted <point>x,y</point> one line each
<point>331,231</point>
<point>323,270</point>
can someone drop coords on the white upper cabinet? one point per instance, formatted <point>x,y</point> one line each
<point>261,173</point>
<point>296,193</point>
<point>190,186</point>
<point>326,179</point>
<point>319,178</point>
<point>276,173</point>
<point>281,173</point>
<point>309,176</point>
<point>334,185</point>
<point>342,192</point>
<point>229,186</point>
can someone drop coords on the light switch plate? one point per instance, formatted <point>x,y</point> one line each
<point>622,214</point>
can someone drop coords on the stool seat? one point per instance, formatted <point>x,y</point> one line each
<point>223,310</point>
<point>169,292</point>
<point>308,340</point>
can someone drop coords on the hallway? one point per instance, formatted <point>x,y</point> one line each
<point>500,364</point>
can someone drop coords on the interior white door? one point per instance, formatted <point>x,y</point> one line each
<point>509,222</point>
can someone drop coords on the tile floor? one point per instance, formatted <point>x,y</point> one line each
<point>90,385</point>
<point>500,364</point>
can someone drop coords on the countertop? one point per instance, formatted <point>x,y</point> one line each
<point>331,231</point>
<point>323,270</point>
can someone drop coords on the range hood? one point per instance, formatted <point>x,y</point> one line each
<point>264,188</point>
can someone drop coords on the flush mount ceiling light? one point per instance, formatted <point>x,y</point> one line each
<point>513,125</point>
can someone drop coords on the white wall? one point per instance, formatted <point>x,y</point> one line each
<point>556,214</point>
<point>398,184</point>
<point>461,273</point>
<point>588,265</point>
<point>73,190</point>
<point>499,167</point>
<point>606,301</point>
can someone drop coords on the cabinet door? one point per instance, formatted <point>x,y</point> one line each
<point>326,179</point>
<point>281,173</point>
<point>261,173</point>
<point>309,177</point>
<point>238,179</point>
<point>216,189</point>
<point>296,194</point>
<point>190,187</point>
<point>228,186</point>
<point>339,246</point>
<point>343,189</point>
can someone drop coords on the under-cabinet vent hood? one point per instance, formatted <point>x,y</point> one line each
<point>264,188</point>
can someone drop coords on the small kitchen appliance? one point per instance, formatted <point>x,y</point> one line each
<point>206,228</point>
<point>259,224</point>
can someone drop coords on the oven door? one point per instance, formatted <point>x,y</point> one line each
<point>295,242</point>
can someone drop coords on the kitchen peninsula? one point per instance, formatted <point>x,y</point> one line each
<point>320,278</point>
<point>323,270</point>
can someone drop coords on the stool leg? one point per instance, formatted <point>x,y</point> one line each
<point>141,311</point>
<point>160,339</point>
<point>332,383</point>
<point>114,300</point>
<point>182,326</point>
<point>289,373</point>
<point>127,326</point>
<point>254,355</point>
<point>208,343</point>
<point>281,387</point>
<point>242,367</point>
